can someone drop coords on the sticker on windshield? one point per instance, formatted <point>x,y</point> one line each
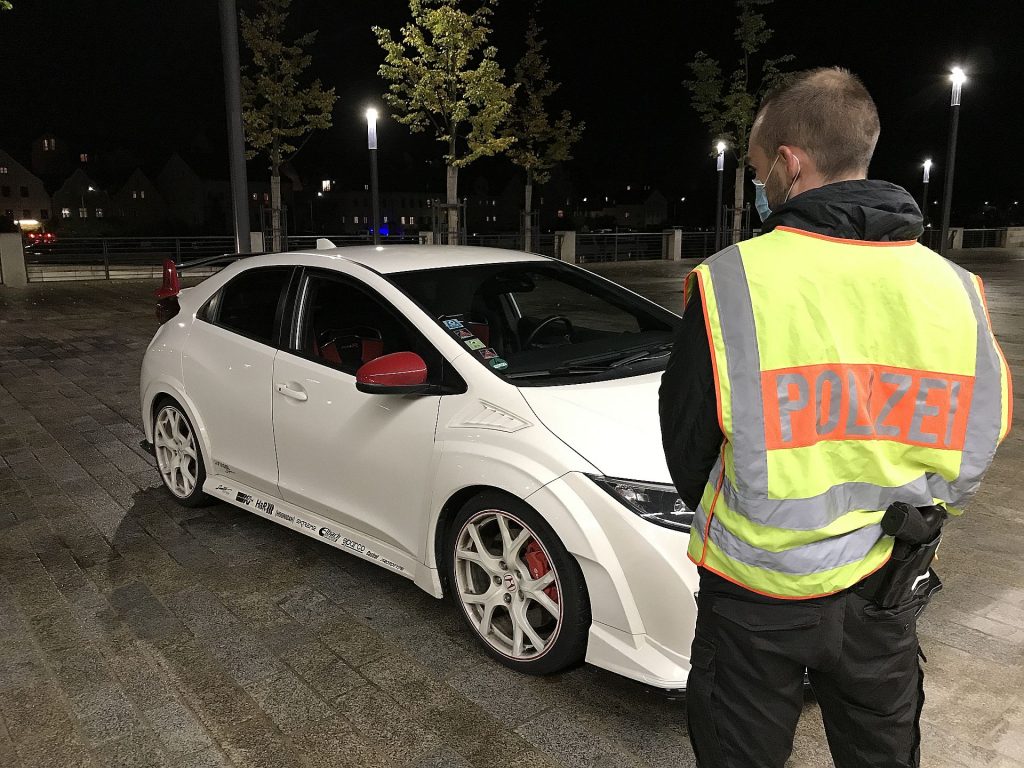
<point>451,325</point>
<point>463,333</point>
<point>498,363</point>
<point>475,343</point>
<point>487,353</point>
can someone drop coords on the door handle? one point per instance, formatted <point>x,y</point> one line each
<point>294,394</point>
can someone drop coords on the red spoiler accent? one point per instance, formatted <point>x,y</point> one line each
<point>171,286</point>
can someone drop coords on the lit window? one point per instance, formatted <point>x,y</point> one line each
<point>3,169</point>
<point>385,219</point>
<point>325,185</point>
<point>342,219</point>
<point>136,194</point>
<point>366,187</point>
<point>83,158</point>
<point>99,213</point>
<point>48,144</point>
<point>83,213</point>
<point>266,197</point>
<point>494,218</point>
<point>65,213</point>
<point>403,219</point>
<point>253,195</point>
<point>142,194</point>
<point>366,219</point>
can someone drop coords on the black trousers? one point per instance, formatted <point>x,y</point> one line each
<point>745,689</point>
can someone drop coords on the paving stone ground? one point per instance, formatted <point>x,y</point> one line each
<point>137,633</point>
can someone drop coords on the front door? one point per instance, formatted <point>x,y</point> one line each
<point>365,461</point>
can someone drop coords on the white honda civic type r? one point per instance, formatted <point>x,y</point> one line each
<point>483,422</point>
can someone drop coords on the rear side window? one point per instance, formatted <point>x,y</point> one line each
<point>250,303</point>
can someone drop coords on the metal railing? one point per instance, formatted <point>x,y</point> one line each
<point>99,257</point>
<point>308,242</point>
<point>618,246</point>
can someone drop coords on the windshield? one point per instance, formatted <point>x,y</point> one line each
<point>536,323</point>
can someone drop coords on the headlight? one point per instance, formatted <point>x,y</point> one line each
<point>656,503</point>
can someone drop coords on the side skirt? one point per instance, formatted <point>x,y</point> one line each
<point>313,525</point>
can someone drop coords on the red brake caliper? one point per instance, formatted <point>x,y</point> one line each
<point>538,564</point>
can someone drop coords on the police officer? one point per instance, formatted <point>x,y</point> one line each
<point>822,371</point>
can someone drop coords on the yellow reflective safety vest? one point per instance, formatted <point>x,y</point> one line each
<point>849,375</point>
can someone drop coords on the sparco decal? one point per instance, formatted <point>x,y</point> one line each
<point>303,524</point>
<point>265,506</point>
<point>330,535</point>
<point>243,498</point>
<point>355,546</point>
<point>283,515</point>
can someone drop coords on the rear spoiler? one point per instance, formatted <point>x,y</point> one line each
<point>172,284</point>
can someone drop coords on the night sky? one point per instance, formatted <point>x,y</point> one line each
<point>146,76</point>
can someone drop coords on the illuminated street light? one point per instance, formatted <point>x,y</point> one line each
<point>371,141</point>
<point>720,147</point>
<point>924,197</point>
<point>958,78</point>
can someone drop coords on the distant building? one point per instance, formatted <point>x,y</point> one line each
<point>139,199</point>
<point>51,157</point>
<point>22,193</point>
<point>634,208</point>
<point>183,192</point>
<point>351,212</point>
<point>80,198</point>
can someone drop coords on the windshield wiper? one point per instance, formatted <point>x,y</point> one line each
<point>561,370</point>
<point>637,356</point>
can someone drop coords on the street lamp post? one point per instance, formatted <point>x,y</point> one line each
<point>958,78</point>
<point>371,140</point>
<point>924,197</point>
<point>718,206</point>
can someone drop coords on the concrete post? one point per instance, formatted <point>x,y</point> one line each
<point>426,238</point>
<point>1014,237</point>
<point>672,245</point>
<point>567,251</point>
<point>256,242</point>
<point>12,260</point>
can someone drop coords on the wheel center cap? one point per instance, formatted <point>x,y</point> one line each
<point>510,582</point>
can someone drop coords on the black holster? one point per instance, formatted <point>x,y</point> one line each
<point>907,577</point>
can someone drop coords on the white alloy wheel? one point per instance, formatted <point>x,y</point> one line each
<point>508,585</point>
<point>176,452</point>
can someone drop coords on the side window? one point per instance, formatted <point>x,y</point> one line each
<point>249,304</point>
<point>345,326</point>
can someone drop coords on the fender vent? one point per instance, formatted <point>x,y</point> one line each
<point>488,416</point>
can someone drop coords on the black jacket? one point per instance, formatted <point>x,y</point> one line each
<point>857,210</point>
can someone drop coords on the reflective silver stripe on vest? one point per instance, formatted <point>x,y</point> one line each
<point>985,420</point>
<point>736,319</point>
<point>819,556</point>
<point>700,515</point>
<point>814,512</point>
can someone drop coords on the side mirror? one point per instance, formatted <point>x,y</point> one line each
<point>400,373</point>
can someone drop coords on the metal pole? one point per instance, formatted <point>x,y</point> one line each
<point>718,212</point>
<point>947,196</point>
<point>375,194</point>
<point>236,138</point>
<point>924,203</point>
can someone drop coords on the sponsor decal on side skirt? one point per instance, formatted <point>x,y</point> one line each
<point>330,535</point>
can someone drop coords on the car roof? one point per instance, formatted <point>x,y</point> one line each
<point>391,259</point>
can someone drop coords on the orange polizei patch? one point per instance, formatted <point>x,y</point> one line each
<point>809,404</point>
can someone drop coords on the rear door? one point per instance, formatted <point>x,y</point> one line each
<point>228,369</point>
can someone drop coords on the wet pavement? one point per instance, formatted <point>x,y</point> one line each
<point>137,633</point>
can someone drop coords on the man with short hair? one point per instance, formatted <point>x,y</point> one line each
<point>824,373</point>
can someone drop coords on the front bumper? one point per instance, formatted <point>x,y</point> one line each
<point>640,582</point>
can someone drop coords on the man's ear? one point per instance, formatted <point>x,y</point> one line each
<point>793,163</point>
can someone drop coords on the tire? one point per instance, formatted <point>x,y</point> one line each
<point>179,455</point>
<point>510,583</point>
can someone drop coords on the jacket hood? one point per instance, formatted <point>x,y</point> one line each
<point>875,211</point>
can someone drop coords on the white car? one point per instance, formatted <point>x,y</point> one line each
<point>483,422</point>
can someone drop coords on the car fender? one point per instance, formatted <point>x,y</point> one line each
<point>166,385</point>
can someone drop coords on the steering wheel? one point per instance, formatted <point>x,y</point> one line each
<point>333,335</point>
<point>544,324</point>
